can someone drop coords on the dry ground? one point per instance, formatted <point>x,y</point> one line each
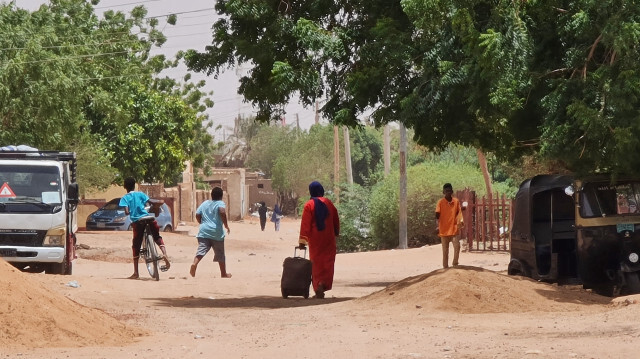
<point>386,304</point>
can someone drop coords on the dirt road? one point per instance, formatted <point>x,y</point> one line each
<point>386,304</point>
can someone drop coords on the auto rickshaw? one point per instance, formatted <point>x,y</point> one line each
<point>578,231</point>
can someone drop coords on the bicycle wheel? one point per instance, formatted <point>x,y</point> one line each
<point>150,254</point>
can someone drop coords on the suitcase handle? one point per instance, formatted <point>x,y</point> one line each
<point>295,252</point>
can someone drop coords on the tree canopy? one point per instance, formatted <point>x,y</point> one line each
<point>70,80</point>
<point>558,79</point>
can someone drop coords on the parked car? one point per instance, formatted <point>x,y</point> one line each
<point>111,216</point>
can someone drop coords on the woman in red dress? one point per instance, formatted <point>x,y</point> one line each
<point>319,228</point>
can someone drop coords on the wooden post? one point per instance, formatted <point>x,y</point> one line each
<point>347,155</point>
<point>402,222</point>
<point>386,150</point>
<point>336,164</point>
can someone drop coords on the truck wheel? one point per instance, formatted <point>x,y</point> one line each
<point>632,282</point>
<point>63,268</point>
<point>55,268</point>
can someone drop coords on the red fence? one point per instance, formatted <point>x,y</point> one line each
<point>487,221</point>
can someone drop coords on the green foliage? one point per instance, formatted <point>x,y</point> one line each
<point>315,49</point>
<point>94,166</point>
<point>558,80</point>
<point>69,79</point>
<point>424,189</point>
<point>366,153</point>
<point>268,144</point>
<point>354,220</point>
<point>309,159</point>
<point>155,141</point>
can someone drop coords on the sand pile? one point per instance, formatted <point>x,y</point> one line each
<point>475,290</point>
<point>36,317</point>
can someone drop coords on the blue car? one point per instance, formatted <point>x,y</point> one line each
<point>112,217</point>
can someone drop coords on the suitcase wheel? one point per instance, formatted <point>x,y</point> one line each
<point>285,295</point>
<point>306,294</point>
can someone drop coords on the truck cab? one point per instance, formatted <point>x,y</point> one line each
<point>38,210</point>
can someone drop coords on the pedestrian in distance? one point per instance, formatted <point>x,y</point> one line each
<point>262,211</point>
<point>319,227</point>
<point>134,203</point>
<point>212,216</point>
<point>448,216</point>
<point>276,216</point>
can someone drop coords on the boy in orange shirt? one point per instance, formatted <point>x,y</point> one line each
<point>448,211</point>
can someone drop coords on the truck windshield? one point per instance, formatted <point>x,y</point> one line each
<point>602,199</point>
<point>33,188</point>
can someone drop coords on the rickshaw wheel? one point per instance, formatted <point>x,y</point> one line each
<point>633,282</point>
<point>607,290</point>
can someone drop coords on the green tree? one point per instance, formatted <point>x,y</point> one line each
<point>315,48</point>
<point>68,77</point>
<point>270,143</point>
<point>546,78</point>
<point>366,153</point>
<point>424,189</point>
<point>310,159</point>
<point>156,139</point>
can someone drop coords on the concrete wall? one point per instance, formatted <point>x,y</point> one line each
<point>232,182</point>
<point>260,190</point>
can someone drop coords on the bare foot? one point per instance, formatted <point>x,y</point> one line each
<point>192,270</point>
<point>134,276</point>
<point>320,291</point>
<point>228,275</point>
<point>166,262</point>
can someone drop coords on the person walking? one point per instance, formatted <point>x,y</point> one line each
<point>319,227</point>
<point>448,215</point>
<point>262,211</point>
<point>212,216</point>
<point>276,216</point>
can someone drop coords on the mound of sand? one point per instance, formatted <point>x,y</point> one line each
<point>34,316</point>
<point>475,290</point>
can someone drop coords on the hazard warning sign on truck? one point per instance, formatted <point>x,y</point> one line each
<point>6,191</point>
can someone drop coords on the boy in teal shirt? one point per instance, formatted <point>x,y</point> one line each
<point>212,216</point>
<point>134,205</point>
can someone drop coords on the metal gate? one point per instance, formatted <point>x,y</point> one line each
<point>487,221</point>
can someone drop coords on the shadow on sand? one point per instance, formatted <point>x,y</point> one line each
<point>265,302</point>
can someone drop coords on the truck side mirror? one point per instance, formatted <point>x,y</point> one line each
<point>73,192</point>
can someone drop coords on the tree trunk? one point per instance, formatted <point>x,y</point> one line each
<point>485,171</point>
<point>487,181</point>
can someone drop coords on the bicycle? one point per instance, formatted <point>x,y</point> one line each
<point>149,250</point>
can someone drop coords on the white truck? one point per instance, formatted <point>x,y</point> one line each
<point>38,209</point>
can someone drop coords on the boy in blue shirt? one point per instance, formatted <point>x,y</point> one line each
<point>134,203</point>
<point>212,215</point>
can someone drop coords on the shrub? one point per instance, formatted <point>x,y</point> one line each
<point>424,189</point>
<point>354,220</point>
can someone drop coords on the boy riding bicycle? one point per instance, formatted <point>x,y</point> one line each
<point>134,205</point>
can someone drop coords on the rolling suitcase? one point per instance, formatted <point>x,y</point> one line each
<point>296,275</point>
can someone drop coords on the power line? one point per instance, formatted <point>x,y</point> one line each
<point>180,12</point>
<point>121,5</point>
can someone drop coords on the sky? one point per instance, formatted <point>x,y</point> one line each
<point>193,31</point>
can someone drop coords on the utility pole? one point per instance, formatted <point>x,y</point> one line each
<point>403,189</point>
<point>386,151</point>
<point>347,155</point>
<point>336,163</point>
